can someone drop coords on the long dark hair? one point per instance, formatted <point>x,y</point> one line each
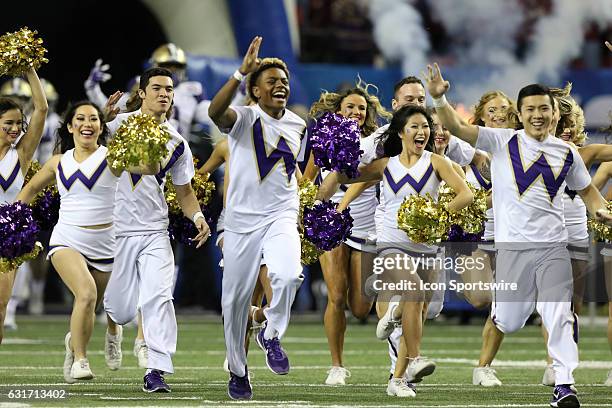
<point>392,143</point>
<point>65,139</point>
<point>7,104</point>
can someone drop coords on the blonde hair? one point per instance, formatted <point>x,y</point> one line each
<point>568,108</point>
<point>265,64</point>
<point>331,101</point>
<point>511,116</point>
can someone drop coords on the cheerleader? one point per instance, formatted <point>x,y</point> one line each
<point>409,167</point>
<point>16,152</point>
<point>342,266</point>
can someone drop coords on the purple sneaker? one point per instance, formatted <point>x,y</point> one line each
<point>276,358</point>
<point>239,388</point>
<point>154,382</point>
<point>564,397</point>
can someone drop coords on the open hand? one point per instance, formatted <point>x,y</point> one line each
<point>203,232</point>
<point>110,111</point>
<point>436,85</point>
<point>251,60</point>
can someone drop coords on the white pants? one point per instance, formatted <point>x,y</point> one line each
<point>142,279</point>
<point>280,244</point>
<point>544,280</point>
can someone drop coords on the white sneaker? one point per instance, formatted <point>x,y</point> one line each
<point>549,376</point>
<point>387,324</point>
<point>68,360</point>
<point>400,387</point>
<point>608,382</point>
<point>485,376</point>
<point>9,323</point>
<point>255,325</point>
<point>418,368</point>
<point>80,370</point>
<point>141,352</point>
<point>112,349</point>
<point>337,376</point>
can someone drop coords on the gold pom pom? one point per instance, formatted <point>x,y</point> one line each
<point>422,219</point>
<point>202,188</point>
<point>601,230</point>
<point>7,265</point>
<point>307,191</point>
<point>32,170</point>
<point>20,51</point>
<point>139,140</point>
<point>471,218</point>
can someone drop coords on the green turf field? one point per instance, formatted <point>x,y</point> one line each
<point>32,358</point>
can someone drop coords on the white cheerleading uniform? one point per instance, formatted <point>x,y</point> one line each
<point>87,194</point>
<point>400,182</point>
<point>143,273</point>
<point>575,214</point>
<point>530,235</point>
<point>473,176</point>
<point>260,218</point>
<point>11,176</point>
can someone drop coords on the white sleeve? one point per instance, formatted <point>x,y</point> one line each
<point>460,152</point>
<point>578,177</point>
<point>114,125</point>
<point>491,139</point>
<point>183,171</point>
<point>243,120</point>
<point>302,152</point>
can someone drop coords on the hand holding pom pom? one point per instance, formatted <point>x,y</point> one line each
<point>335,143</point>
<point>45,205</point>
<point>18,233</point>
<point>21,51</point>
<point>424,221</point>
<point>307,191</point>
<point>471,218</point>
<point>325,227</point>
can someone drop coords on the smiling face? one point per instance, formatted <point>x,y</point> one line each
<point>158,95</point>
<point>569,128</point>
<point>272,89</point>
<point>441,134</point>
<point>11,126</point>
<point>355,107</point>
<point>409,94</point>
<point>85,126</point>
<point>536,115</point>
<point>495,112</point>
<point>415,134</point>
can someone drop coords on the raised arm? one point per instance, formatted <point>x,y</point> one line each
<point>446,172</point>
<point>437,87</point>
<point>219,110</point>
<point>42,178</point>
<point>216,159</point>
<point>371,172</point>
<point>353,192</point>
<point>603,174</point>
<point>29,142</point>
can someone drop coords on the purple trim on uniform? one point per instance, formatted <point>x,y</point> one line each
<point>357,240</point>
<point>570,193</point>
<point>56,246</point>
<point>392,348</point>
<point>265,162</point>
<point>524,179</point>
<point>343,187</point>
<point>220,231</point>
<point>481,180</point>
<point>7,183</point>
<point>575,328</point>
<point>103,261</point>
<point>176,154</point>
<point>416,185</point>
<point>87,182</point>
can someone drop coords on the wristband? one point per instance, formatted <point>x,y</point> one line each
<point>196,216</point>
<point>440,102</point>
<point>238,76</point>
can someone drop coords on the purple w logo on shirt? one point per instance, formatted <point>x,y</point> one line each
<point>265,161</point>
<point>88,182</point>
<point>416,185</point>
<point>178,152</point>
<point>6,183</point>
<point>525,178</point>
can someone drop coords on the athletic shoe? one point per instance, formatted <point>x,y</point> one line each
<point>239,388</point>
<point>400,387</point>
<point>255,325</point>
<point>564,397</point>
<point>337,376</point>
<point>112,349</point>
<point>387,323</point>
<point>418,368</point>
<point>141,352</point>
<point>549,376</point>
<point>80,370</point>
<point>608,382</point>
<point>276,358</point>
<point>485,376</point>
<point>9,323</point>
<point>154,382</point>
<point>68,360</point>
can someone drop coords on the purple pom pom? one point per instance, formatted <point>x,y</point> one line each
<point>335,143</point>
<point>182,229</point>
<point>325,227</point>
<point>18,230</point>
<point>46,210</point>
<point>456,234</point>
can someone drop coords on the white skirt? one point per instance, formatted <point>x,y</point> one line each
<point>96,245</point>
